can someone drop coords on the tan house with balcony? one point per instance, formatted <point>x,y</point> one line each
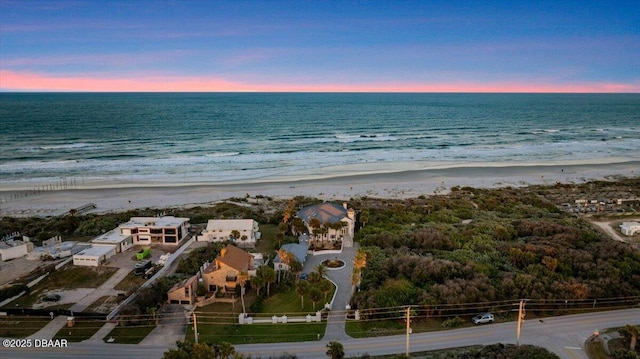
<point>184,292</point>
<point>225,272</point>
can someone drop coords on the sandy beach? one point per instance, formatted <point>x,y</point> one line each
<point>400,184</point>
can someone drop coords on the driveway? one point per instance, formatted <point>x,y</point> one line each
<point>616,235</point>
<point>172,326</point>
<point>342,279</point>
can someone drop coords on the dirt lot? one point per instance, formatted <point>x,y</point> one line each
<point>613,230</point>
<point>17,268</point>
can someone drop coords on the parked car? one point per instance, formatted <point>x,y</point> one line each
<point>303,276</point>
<point>482,318</point>
<point>52,297</point>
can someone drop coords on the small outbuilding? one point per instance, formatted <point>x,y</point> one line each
<point>630,228</point>
<point>94,256</point>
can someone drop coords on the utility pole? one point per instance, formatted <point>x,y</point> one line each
<point>408,329</point>
<point>195,327</point>
<point>521,313</point>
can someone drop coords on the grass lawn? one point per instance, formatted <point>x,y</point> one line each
<point>129,334</point>
<point>82,330</point>
<point>21,326</point>
<point>217,322</point>
<point>289,303</point>
<point>130,283</point>
<point>382,327</point>
<point>267,243</point>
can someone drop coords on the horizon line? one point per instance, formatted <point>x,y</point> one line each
<point>311,92</point>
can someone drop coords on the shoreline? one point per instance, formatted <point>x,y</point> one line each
<point>112,196</point>
<point>335,173</point>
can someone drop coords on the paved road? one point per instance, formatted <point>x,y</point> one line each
<point>564,336</point>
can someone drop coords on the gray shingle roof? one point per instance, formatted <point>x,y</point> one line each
<point>325,212</point>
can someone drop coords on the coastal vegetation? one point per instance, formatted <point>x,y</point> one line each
<point>480,250</point>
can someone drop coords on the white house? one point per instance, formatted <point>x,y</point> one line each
<point>122,242</point>
<point>94,256</point>
<point>219,230</point>
<point>11,249</point>
<point>630,228</point>
<point>156,230</point>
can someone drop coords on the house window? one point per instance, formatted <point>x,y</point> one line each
<point>170,239</point>
<point>186,291</point>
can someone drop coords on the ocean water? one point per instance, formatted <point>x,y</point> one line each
<point>171,138</point>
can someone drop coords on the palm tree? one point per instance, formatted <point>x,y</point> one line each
<point>283,227</point>
<point>243,239</point>
<point>314,295</point>
<point>296,268</point>
<point>301,289</point>
<point>297,226</point>
<point>279,238</point>
<point>268,275</point>
<point>360,261</point>
<point>234,235</point>
<point>364,217</point>
<point>326,287</point>
<point>335,350</point>
<point>321,270</point>
<point>324,230</point>
<point>314,278</point>
<point>315,224</point>
<point>289,211</point>
<point>257,283</point>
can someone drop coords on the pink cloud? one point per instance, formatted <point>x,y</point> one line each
<point>22,81</point>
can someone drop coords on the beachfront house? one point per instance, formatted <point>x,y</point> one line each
<point>330,221</point>
<point>299,251</point>
<point>229,269</point>
<point>184,292</point>
<point>115,238</point>
<point>14,248</point>
<point>94,256</point>
<point>156,230</point>
<point>630,228</point>
<point>222,230</point>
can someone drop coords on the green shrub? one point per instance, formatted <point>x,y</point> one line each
<point>453,322</point>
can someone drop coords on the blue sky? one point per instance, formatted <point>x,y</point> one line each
<point>459,46</point>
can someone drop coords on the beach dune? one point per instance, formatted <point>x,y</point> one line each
<point>119,196</point>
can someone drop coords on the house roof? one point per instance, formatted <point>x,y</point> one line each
<point>184,283</point>
<point>230,224</point>
<point>297,249</point>
<point>326,212</point>
<point>97,251</point>
<point>112,237</point>
<point>235,258</point>
<point>166,221</point>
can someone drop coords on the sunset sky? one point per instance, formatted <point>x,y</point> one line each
<point>390,46</point>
